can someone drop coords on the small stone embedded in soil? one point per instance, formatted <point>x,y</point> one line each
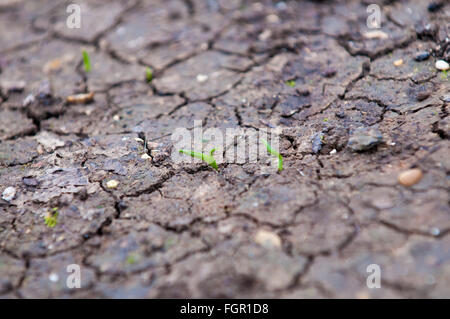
<point>82,98</point>
<point>329,72</point>
<point>53,277</point>
<point>265,35</point>
<point>398,62</point>
<point>435,231</point>
<point>145,156</point>
<point>340,115</point>
<point>272,18</point>
<point>28,100</point>
<point>376,34</point>
<point>422,56</point>
<point>363,139</point>
<point>317,142</point>
<point>112,184</point>
<point>410,177</point>
<point>423,96</point>
<point>442,65</point>
<point>202,78</point>
<point>29,181</point>
<point>267,239</point>
<point>9,193</point>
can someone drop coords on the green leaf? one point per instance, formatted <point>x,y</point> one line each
<point>274,153</point>
<point>148,74</point>
<point>52,218</point>
<point>131,259</point>
<point>86,61</point>
<point>290,83</point>
<point>209,159</point>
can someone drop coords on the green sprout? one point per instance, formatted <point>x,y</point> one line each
<point>274,153</point>
<point>148,74</point>
<point>86,61</point>
<point>204,157</point>
<point>444,75</point>
<point>131,259</point>
<point>51,219</point>
<point>290,83</point>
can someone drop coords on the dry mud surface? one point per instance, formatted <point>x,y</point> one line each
<point>171,230</point>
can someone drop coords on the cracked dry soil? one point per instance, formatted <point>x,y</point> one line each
<point>168,230</point>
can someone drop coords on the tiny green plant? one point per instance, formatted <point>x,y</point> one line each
<point>274,153</point>
<point>208,158</point>
<point>444,75</point>
<point>148,74</point>
<point>51,219</point>
<point>131,259</point>
<point>86,61</point>
<point>290,83</point>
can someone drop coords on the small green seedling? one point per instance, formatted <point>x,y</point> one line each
<point>291,83</point>
<point>51,219</point>
<point>148,75</point>
<point>274,153</point>
<point>444,75</point>
<point>131,259</point>
<point>86,61</point>
<point>209,159</point>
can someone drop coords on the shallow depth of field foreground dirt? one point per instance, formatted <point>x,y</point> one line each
<point>93,183</point>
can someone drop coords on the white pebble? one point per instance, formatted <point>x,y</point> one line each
<point>281,5</point>
<point>112,183</point>
<point>9,193</point>
<point>202,78</point>
<point>267,239</point>
<point>53,277</point>
<point>398,62</point>
<point>265,35</point>
<point>442,65</point>
<point>272,18</point>
<point>435,231</point>
<point>376,34</point>
<point>333,152</point>
<point>28,100</point>
<point>145,156</point>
